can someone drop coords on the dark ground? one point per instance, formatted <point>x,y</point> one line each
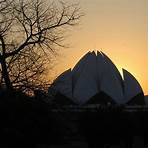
<point>30,122</point>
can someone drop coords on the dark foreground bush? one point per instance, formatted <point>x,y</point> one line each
<point>26,121</point>
<point>108,127</point>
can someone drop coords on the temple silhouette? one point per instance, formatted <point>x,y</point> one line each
<point>96,80</point>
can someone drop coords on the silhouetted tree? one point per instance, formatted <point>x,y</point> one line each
<point>29,31</point>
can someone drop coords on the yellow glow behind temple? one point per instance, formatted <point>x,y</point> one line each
<point>119,29</point>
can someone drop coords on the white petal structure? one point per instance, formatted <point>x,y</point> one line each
<point>86,86</point>
<point>95,74</point>
<point>77,70</point>
<point>131,86</point>
<point>118,75</point>
<point>110,82</point>
<point>99,67</point>
<point>63,83</point>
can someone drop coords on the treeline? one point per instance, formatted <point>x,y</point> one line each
<point>114,126</point>
<point>27,121</point>
<point>30,121</point>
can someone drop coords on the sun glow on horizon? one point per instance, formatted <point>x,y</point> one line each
<point>119,29</point>
<point>120,61</point>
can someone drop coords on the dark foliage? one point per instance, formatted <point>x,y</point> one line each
<point>114,126</point>
<point>26,121</point>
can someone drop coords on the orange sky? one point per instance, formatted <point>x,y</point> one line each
<point>119,28</point>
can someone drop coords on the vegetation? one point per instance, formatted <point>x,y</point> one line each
<point>27,122</point>
<point>30,33</point>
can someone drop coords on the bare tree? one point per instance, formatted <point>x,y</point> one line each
<point>29,31</point>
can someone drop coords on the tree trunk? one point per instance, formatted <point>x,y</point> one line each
<point>5,75</point>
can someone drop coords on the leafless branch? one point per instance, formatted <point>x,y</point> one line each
<point>29,31</point>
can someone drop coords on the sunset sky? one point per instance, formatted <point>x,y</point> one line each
<point>119,28</point>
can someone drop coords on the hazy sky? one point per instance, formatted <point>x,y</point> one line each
<point>117,27</point>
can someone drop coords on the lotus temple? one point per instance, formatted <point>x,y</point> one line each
<point>96,80</point>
